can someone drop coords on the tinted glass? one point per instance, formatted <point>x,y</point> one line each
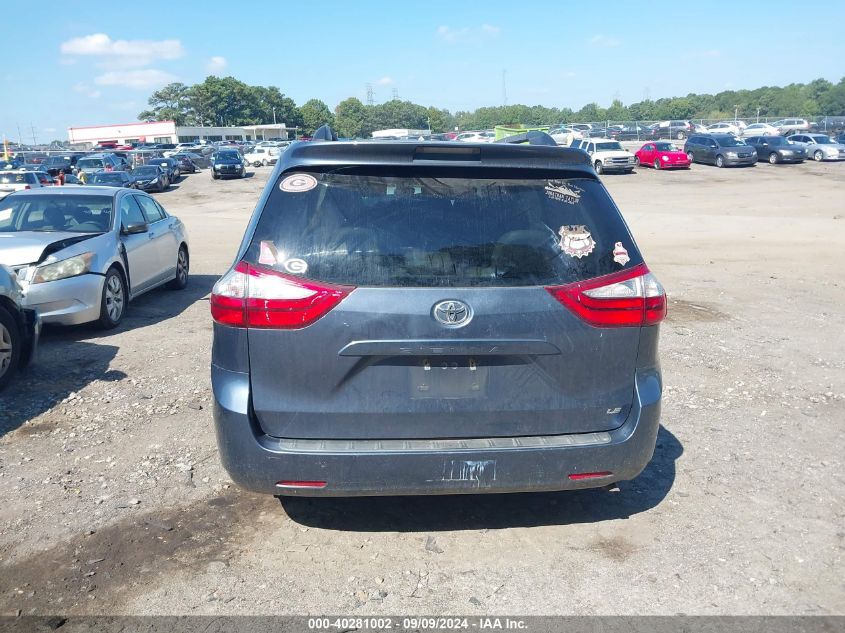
<point>149,171</point>
<point>228,155</point>
<point>822,140</point>
<point>729,141</point>
<point>20,178</point>
<point>609,146</point>
<point>666,147</point>
<point>392,228</point>
<point>151,210</point>
<point>90,163</point>
<point>75,214</point>
<point>130,212</point>
<point>775,140</point>
<point>113,177</point>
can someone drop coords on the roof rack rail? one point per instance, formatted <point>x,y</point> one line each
<point>533,137</point>
<point>324,133</point>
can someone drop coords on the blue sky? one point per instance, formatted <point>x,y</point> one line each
<point>94,62</point>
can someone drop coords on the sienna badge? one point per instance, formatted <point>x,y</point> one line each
<point>576,240</point>
<point>620,254</point>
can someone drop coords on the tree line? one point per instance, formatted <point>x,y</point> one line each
<point>226,101</point>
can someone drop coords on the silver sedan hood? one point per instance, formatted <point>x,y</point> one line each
<point>27,247</point>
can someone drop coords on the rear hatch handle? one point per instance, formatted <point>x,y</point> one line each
<point>450,347</point>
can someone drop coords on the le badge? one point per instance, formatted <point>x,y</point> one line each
<point>576,240</point>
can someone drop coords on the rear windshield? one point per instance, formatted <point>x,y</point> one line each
<point>18,178</point>
<point>87,163</point>
<point>393,229</point>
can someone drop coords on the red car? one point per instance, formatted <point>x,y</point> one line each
<point>662,155</point>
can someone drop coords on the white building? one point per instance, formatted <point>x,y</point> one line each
<point>400,132</point>
<point>169,132</point>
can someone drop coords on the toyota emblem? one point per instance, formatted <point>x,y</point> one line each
<point>452,313</point>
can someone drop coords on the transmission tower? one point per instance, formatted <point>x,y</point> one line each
<point>370,99</point>
<point>395,93</point>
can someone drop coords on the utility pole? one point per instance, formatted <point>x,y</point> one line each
<point>370,100</point>
<point>32,128</point>
<point>20,136</point>
<point>504,87</point>
<point>274,115</point>
<point>736,113</point>
<point>758,115</point>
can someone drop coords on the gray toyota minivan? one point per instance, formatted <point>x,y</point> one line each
<point>422,318</point>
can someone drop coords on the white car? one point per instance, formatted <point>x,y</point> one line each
<point>259,156</point>
<point>18,181</point>
<point>565,135</point>
<point>476,137</point>
<point>786,126</point>
<point>723,128</point>
<point>760,129</point>
<point>608,155</point>
<point>819,146</point>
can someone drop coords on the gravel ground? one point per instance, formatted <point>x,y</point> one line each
<point>112,499</point>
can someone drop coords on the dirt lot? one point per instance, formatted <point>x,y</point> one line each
<point>112,499</point>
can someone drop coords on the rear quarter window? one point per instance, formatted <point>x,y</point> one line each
<point>397,228</point>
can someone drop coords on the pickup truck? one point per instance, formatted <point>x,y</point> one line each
<point>608,155</point>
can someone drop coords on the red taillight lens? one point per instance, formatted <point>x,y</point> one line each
<point>251,296</point>
<point>629,298</point>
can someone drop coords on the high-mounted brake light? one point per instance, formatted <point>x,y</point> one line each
<point>630,298</point>
<point>256,297</point>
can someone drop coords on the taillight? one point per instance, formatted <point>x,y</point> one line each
<point>630,298</point>
<point>251,296</point>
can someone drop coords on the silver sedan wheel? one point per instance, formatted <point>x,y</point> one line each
<point>182,267</point>
<point>6,350</point>
<point>114,298</point>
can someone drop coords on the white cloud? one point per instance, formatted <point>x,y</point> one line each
<point>605,41</point>
<point>468,34</point>
<point>385,81</point>
<point>139,79</point>
<point>120,53</point>
<point>216,64</point>
<point>85,89</point>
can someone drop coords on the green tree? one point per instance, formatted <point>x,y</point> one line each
<point>350,118</point>
<point>314,113</point>
<point>169,103</point>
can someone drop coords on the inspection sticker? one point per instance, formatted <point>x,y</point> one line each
<point>576,240</point>
<point>620,254</point>
<point>297,183</point>
<point>561,192</point>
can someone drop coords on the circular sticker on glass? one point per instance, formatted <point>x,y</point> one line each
<point>297,183</point>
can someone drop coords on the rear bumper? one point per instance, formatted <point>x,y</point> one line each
<point>257,462</point>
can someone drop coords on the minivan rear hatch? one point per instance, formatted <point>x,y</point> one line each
<point>430,314</point>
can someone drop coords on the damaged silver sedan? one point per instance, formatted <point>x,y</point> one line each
<point>82,254</point>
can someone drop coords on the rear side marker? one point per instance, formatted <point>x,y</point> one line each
<point>581,476</point>
<point>301,484</point>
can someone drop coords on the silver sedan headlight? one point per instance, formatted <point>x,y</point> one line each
<point>70,267</point>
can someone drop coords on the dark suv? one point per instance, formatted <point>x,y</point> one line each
<point>722,150</point>
<point>421,318</point>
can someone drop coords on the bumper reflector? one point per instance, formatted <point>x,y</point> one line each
<point>300,484</point>
<point>579,476</point>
